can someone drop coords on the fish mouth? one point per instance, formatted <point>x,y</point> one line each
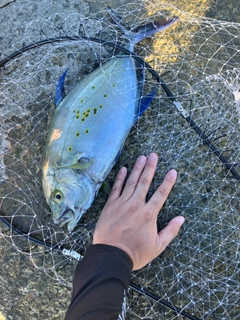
<point>66,216</point>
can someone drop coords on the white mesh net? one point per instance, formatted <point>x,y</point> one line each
<point>197,277</point>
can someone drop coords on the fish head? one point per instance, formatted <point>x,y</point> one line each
<point>69,194</point>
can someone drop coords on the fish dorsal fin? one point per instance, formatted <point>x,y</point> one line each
<point>60,91</point>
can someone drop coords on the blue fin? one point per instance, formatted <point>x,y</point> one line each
<point>144,31</point>
<point>60,92</point>
<point>141,32</point>
<point>145,102</point>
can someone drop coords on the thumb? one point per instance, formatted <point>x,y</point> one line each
<point>167,234</point>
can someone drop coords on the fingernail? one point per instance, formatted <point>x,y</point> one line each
<point>172,173</point>
<point>142,159</point>
<point>152,156</point>
<point>123,170</point>
<point>180,220</point>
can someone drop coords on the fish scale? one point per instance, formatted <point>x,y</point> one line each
<point>89,128</point>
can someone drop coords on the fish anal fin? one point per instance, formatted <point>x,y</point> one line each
<point>145,102</point>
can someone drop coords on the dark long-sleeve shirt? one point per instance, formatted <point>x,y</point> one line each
<point>100,283</point>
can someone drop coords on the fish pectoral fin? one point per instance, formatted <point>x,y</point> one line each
<point>60,92</point>
<point>145,102</point>
<point>76,166</point>
<point>81,164</point>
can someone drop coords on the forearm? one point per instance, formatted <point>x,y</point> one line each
<point>100,280</point>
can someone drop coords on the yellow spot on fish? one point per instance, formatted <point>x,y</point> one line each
<point>77,116</point>
<point>105,96</point>
<point>114,85</point>
<point>93,87</point>
<point>95,110</point>
<point>55,135</point>
<point>74,111</point>
<point>86,114</point>
<point>77,134</point>
<point>100,106</point>
<point>78,111</point>
<point>87,130</point>
<point>70,148</point>
<point>82,101</point>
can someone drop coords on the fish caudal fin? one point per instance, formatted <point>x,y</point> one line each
<point>60,92</point>
<point>141,32</point>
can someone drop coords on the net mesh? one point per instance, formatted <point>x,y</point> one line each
<point>198,59</point>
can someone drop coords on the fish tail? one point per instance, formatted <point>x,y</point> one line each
<point>141,32</point>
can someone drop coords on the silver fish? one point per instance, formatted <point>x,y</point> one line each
<point>90,126</point>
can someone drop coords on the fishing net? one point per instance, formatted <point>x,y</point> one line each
<point>193,124</point>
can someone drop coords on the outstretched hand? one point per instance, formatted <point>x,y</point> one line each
<point>128,222</point>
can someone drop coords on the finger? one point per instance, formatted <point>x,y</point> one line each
<point>118,184</point>
<point>160,195</point>
<point>134,177</point>
<point>167,234</point>
<point>146,177</point>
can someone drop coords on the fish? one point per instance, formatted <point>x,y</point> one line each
<point>90,125</point>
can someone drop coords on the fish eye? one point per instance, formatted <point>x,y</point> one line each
<point>57,196</point>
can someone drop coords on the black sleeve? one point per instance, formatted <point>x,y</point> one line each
<point>100,283</point>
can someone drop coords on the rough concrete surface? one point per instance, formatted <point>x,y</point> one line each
<point>25,292</point>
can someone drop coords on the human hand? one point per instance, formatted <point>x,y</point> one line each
<point>128,222</point>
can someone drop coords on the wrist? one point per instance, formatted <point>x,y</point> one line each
<point>120,246</point>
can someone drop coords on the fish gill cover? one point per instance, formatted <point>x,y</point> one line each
<point>192,123</point>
